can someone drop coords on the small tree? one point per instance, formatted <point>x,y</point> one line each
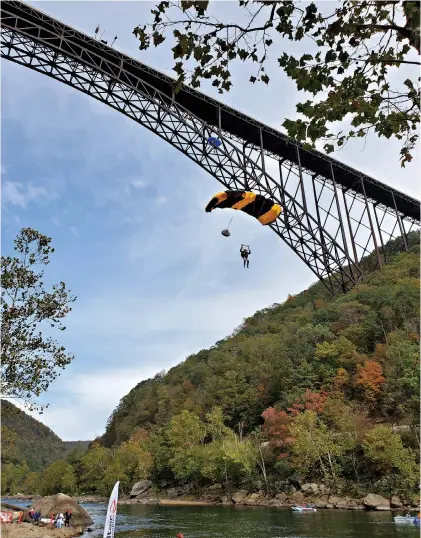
<point>30,359</point>
<point>396,463</point>
<point>352,54</point>
<point>370,378</point>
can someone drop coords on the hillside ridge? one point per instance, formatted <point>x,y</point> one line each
<point>28,445</point>
<point>316,391</point>
<point>149,403</point>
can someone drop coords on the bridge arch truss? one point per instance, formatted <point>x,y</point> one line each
<point>333,215</point>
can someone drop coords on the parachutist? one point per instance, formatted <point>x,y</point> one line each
<point>245,252</point>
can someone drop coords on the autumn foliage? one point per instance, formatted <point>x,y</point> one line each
<point>277,423</point>
<point>370,378</point>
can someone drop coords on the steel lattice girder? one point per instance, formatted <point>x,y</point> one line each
<point>111,84</point>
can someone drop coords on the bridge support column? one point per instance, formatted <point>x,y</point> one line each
<point>319,220</point>
<point>351,233</point>
<point>338,209</point>
<point>373,234</point>
<point>401,227</point>
<point>380,232</point>
<point>246,181</point>
<point>282,184</point>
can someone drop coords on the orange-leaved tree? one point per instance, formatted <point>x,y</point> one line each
<point>370,378</point>
<point>278,422</point>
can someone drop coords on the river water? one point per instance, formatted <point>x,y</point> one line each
<point>155,521</point>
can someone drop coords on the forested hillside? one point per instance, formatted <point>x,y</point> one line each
<point>28,446</point>
<point>363,345</point>
<point>30,433</point>
<point>317,388</point>
<point>78,446</point>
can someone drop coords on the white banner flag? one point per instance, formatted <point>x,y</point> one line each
<point>111,513</point>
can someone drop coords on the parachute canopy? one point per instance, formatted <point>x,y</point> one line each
<point>261,208</point>
<point>214,141</point>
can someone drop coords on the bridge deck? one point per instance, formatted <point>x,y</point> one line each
<point>206,108</point>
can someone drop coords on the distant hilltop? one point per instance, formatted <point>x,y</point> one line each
<point>34,442</point>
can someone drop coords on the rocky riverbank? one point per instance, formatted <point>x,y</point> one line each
<point>318,494</point>
<point>28,530</point>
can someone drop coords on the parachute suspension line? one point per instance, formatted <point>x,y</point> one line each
<point>226,232</point>
<point>229,224</point>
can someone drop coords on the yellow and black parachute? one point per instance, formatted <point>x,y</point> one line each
<point>255,205</point>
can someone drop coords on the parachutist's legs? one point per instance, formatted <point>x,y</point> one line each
<point>248,263</point>
<point>244,263</point>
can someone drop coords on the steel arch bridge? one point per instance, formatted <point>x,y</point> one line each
<point>333,214</point>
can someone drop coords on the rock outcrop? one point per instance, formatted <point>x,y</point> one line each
<point>140,488</point>
<point>62,503</point>
<point>239,496</point>
<point>395,502</point>
<point>319,494</point>
<point>376,502</point>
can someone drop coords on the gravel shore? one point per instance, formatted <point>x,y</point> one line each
<point>28,530</point>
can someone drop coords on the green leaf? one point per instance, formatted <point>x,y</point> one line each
<point>242,54</point>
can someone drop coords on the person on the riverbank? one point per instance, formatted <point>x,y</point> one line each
<point>59,520</point>
<point>52,519</point>
<point>67,517</point>
<point>180,535</point>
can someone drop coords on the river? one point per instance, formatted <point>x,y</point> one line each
<point>154,521</point>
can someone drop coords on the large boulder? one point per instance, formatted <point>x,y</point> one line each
<point>310,488</point>
<point>335,501</point>
<point>320,503</point>
<point>376,502</point>
<point>239,496</point>
<point>61,503</point>
<point>140,487</point>
<point>323,489</point>
<point>172,493</point>
<point>395,502</point>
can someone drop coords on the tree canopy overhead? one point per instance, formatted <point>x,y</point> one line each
<point>30,358</point>
<point>354,52</point>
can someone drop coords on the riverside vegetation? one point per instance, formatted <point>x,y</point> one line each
<point>318,390</point>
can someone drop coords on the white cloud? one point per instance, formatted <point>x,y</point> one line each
<point>12,193</point>
<point>86,398</point>
<point>18,194</point>
<point>139,183</point>
<point>55,221</point>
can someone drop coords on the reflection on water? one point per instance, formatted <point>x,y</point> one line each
<point>240,522</point>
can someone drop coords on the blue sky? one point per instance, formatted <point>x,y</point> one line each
<point>155,280</point>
